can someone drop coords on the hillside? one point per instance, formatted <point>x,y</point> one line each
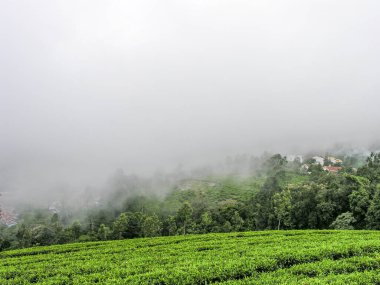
<point>280,195</point>
<point>215,190</point>
<point>268,257</point>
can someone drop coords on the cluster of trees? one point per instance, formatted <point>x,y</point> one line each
<point>345,200</point>
<point>287,199</point>
<point>103,225</point>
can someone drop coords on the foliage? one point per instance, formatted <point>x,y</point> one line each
<point>184,217</point>
<point>278,196</point>
<point>344,221</point>
<point>371,169</point>
<point>152,226</point>
<point>373,215</point>
<point>276,257</point>
<point>282,207</point>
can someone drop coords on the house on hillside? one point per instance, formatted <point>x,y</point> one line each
<point>332,169</point>
<point>319,160</point>
<point>334,160</point>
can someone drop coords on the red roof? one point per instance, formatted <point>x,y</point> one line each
<point>332,168</point>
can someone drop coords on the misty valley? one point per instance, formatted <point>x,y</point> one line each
<point>189,142</point>
<point>245,194</point>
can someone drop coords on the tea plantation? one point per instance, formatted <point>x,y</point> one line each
<point>268,257</point>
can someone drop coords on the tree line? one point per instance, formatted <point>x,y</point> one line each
<point>288,198</point>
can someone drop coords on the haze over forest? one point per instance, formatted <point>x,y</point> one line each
<point>88,87</point>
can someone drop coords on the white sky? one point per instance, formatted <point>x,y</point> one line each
<point>90,86</point>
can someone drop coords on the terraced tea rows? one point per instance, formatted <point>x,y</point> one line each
<point>271,257</point>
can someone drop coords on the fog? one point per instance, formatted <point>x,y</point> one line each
<point>88,87</point>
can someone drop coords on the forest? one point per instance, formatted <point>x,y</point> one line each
<point>275,194</point>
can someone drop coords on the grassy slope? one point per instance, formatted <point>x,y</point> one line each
<point>240,189</point>
<point>269,257</point>
<point>235,188</point>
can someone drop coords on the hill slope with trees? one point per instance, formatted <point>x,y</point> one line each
<point>279,195</point>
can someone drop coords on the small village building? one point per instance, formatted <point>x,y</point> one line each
<point>332,169</point>
<point>334,160</point>
<point>319,160</point>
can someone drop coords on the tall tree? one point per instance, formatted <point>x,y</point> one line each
<point>170,226</point>
<point>75,230</point>
<point>359,204</point>
<point>206,222</point>
<point>373,214</point>
<point>151,226</point>
<point>120,226</point>
<point>184,217</point>
<point>344,221</point>
<point>103,232</point>
<point>282,207</point>
<point>371,169</point>
<point>236,222</point>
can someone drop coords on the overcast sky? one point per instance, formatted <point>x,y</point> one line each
<point>87,87</point>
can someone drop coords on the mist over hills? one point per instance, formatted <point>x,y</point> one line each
<point>87,88</point>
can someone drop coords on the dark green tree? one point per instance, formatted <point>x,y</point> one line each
<point>206,222</point>
<point>282,202</point>
<point>152,226</point>
<point>170,226</point>
<point>373,214</point>
<point>226,228</point>
<point>184,217</point>
<point>120,227</point>
<point>103,232</point>
<point>135,224</point>
<point>57,228</point>
<point>236,222</point>
<point>359,204</point>
<point>344,221</point>
<point>24,236</point>
<point>75,230</point>
<point>371,169</point>
<point>42,235</point>
<point>304,203</point>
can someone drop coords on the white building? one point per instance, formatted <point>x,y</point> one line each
<point>334,160</point>
<point>293,157</point>
<point>319,160</point>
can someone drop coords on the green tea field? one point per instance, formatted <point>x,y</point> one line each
<point>268,257</point>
